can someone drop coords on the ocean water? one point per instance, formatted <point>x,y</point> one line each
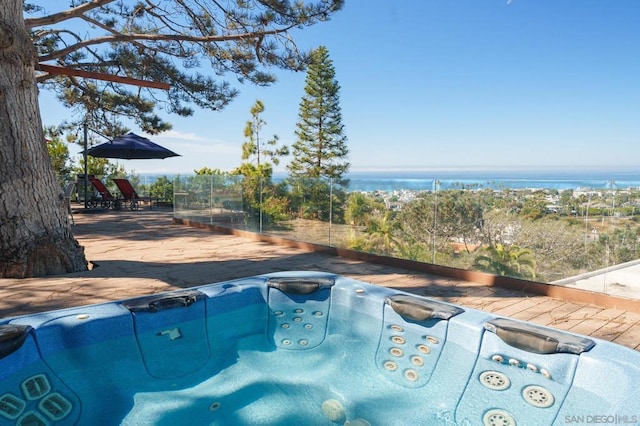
<point>490,178</point>
<point>494,179</point>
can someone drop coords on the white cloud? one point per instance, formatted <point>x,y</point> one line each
<point>176,135</point>
<point>202,148</point>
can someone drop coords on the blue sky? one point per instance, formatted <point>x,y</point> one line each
<point>443,84</point>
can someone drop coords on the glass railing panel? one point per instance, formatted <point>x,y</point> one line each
<point>302,209</point>
<point>579,233</point>
<point>208,199</point>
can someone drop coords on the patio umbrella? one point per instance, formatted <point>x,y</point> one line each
<point>130,147</point>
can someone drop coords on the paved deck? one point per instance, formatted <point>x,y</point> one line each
<point>143,252</point>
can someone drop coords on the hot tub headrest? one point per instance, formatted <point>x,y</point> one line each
<point>537,339</point>
<point>161,302</point>
<point>300,285</point>
<point>12,337</point>
<point>418,309</point>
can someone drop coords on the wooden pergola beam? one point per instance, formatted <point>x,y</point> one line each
<point>52,69</point>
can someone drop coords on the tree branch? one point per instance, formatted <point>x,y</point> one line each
<point>159,37</point>
<point>51,69</point>
<point>105,27</point>
<point>65,15</point>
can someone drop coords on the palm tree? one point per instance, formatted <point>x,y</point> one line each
<point>381,238</point>
<point>360,208</point>
<point>378,237</point>
<point>507,260</point>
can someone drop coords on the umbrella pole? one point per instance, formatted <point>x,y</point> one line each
<point>86,167</point>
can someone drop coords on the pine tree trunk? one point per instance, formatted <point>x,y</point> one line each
<point>35,235</point>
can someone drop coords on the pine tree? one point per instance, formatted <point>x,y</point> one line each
<point>320,149</point>
<point>259,156</point>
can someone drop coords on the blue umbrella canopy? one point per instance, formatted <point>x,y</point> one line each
<point>130,147</point>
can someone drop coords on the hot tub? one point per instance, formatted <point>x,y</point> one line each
<point>305,348</point>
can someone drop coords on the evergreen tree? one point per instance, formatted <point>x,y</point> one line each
<point>320,149</point>
<point>259,155</point>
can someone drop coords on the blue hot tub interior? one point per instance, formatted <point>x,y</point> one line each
<point>305,348</point>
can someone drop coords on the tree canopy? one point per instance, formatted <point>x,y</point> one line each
<point>197,47</point>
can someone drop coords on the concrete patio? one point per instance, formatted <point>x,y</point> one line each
<point>143,252</point>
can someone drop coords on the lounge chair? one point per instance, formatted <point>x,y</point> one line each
<point>106,197</point>
<point>68,191</point>
<point>130,195</point>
